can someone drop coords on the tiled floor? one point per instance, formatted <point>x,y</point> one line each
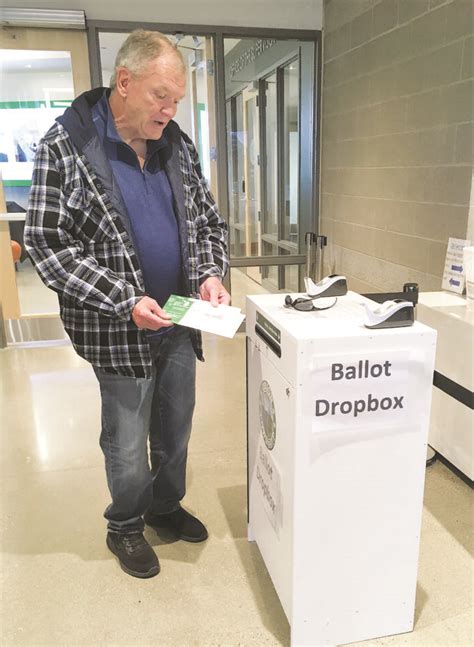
<point>61,585</point>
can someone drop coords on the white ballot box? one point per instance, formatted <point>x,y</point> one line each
<point>338,421</point>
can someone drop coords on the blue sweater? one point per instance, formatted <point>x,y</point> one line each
<point>149,201</point>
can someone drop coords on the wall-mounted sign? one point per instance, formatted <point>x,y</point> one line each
<point>453,276</point>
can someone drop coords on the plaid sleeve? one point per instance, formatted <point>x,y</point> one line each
<point>60,259</point>
<point>212,229</point>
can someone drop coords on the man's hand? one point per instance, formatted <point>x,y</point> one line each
<point>148,314</point>
<point>212,290</point>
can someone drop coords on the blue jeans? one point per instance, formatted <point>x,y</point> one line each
<point>156,411</point>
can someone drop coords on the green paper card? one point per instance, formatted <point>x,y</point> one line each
<point>177,307</point>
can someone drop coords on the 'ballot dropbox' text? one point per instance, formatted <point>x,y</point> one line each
<point>368,403</point>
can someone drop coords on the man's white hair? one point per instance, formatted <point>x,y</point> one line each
<point>140,48</point>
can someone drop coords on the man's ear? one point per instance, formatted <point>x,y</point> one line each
<point>123,78</point>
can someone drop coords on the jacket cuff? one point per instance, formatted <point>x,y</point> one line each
<point>212,271</point>
<point>125,308</point>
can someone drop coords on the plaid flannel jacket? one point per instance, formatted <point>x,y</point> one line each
<point>77,236</point>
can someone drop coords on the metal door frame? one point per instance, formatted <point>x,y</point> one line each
<point>311,206</point>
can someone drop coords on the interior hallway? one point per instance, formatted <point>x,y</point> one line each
<point>61,585</point>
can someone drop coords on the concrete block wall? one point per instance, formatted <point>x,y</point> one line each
<point>397,138</point>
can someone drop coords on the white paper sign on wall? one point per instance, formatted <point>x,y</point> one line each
<point>453,276</point>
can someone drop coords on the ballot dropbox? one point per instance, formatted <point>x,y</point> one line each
<point>338,420</point>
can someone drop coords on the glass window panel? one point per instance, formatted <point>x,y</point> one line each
<point>239,145</point>
<point>252,176</point>
<point>249,280</point>
<point>291,137</point>
<point>290,278</point>
<point>270,157</point>
<point>231,166</point>
<point>279,277</point>
<point>36,87</point>
<point>236,175</point>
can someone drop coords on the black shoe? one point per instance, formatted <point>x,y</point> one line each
<point>180,523</point>
<point>135,555</point>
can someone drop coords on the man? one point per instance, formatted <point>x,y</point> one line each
<point>119,218</point>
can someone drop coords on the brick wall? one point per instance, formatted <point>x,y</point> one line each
<point>396,138</point>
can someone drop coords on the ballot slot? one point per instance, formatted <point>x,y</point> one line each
<point>268,332</point>
<point>271,343</point>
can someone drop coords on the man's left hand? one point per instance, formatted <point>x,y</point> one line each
<point>212,290</point>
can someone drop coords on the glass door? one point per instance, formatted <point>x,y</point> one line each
<point>41,71</point>
<point>253,236</point>
<point>270,99</point>
<point>236,174</point>
<point>281,92</point>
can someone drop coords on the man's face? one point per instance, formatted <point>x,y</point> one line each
<point>151,99</point>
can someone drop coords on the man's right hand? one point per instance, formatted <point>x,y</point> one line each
<point>147,314</point>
